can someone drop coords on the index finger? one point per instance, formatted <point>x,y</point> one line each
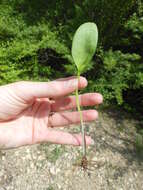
<point>54,89</point>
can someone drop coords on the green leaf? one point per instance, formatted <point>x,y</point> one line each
<point>84,45</point>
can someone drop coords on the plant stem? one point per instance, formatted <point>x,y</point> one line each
<point>81,120</point>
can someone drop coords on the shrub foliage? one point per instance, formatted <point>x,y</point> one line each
<point>36,36</point>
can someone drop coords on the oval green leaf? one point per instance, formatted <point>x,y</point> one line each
<point>84,45</point>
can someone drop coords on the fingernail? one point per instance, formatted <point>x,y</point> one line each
<point>83,82</point>
<point>92,142</point>
<point>100,98</point>
<point>71,83</point>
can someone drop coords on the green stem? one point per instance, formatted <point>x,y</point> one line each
<point>81,119</point>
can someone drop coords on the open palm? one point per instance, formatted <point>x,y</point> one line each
<point>30,111</point>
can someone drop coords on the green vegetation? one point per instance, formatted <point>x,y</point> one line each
<point>36,37</point>
<point>83,49</point>
<point>139,143</point>
<point>53,154</point>
<point>84,45</point>
<point>50,188</point>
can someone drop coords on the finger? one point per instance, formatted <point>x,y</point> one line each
<point>53,89</point>
<point>66,103</point>
<point>61,137</point>
<point>67,118</point>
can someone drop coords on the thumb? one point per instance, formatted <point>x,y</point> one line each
<point>54,89</point>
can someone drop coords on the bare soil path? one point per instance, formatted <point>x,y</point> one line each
<point>51,167</point>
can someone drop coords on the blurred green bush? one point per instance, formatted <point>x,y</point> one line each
<point>36,36</point>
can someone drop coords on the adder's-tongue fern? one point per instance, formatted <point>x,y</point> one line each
<point>83,48</point>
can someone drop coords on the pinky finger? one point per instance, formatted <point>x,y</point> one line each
<point>60,137</point>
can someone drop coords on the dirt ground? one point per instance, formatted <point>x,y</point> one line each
<point>117,164</point>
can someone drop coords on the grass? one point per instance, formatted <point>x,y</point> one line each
<point>52,154</point>
<point>50,188</point>
<point>139,144</point>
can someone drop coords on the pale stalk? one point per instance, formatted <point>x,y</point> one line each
<point>81,120</point>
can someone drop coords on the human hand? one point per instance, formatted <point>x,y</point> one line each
<point>30,111</point>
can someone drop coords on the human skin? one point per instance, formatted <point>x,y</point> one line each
<point>31,112</point>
